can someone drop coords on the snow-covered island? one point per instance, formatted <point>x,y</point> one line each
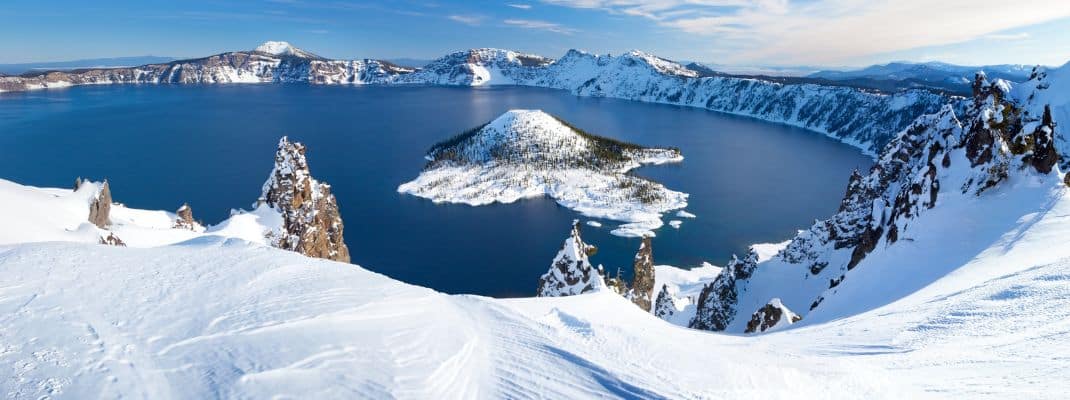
<point>529,153</point>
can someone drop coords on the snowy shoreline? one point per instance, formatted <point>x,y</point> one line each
<point>562,166</point>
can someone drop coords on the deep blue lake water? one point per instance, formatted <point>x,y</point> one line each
<point>212,146</point>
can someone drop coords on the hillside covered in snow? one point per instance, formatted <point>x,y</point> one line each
<point>944,273</point>
<point>863,118</point>
<point>952,192</point>
<point>529,153</point>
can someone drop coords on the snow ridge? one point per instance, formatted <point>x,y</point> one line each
<point>998,142</point>
<point>529,153</point>
<point>861,118</point>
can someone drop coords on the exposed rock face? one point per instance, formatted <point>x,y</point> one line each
<point>643,282</point>
<point>311,223</point>
<point>112,240</point>
<point>716,302</point>
<point>185,219</point>
<point>571,272</point>
<point>773,315</point>
<point>616,283</point>
<point>664,306</point>
<point>100,206</point>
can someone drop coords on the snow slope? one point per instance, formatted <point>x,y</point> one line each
<point>948,194</point>
<point>528,153</point>
<point>224,318</point>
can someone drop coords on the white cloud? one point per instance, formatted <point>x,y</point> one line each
<point>540,25</point>
<point>833,31</point>
<point>520,6</point>
<point>1008,36</point>
<point>471,20</point>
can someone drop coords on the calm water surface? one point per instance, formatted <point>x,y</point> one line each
<point>212,146</point>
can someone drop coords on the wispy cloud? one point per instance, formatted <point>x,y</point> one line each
<point>470,20</point>
<point>540,25</point>
<point>520,6</point>
<point>833,31</point>
<point>1008,36</point>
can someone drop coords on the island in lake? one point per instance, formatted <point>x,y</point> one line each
<point>529,153</point>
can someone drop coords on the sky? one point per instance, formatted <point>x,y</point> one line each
<point>826,33</point>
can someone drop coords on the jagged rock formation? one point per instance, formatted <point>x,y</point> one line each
<point>773,315</point>
<point>860,117</point>
<point>998,133</point>
<point>571,272</point>
<point>642,291</point>
<point>529,153</point>
<point>184,219</point>
<point>716,302</point>
<point>664,306</point>
<point>311,223</point>
<point>99,204</point>
<point>112,240</point>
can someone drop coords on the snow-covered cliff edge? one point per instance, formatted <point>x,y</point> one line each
<point>863,118</point>
<point>947,188</point>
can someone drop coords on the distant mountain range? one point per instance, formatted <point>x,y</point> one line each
<point>20,68</point>
<point>935,74</point>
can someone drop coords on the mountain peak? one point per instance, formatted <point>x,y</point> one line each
<point>280,48</point>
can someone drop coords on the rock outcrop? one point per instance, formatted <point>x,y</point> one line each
<point>664,307</point>
<point>642,291</point>
<point>99,203</point>
<point>184,219</point>
<point>112,240</point>
<point>571,272</point>
<point>717,301</point>
<point>311,222</point>
<point>773,315</point>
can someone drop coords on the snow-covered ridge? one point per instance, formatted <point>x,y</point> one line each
<point>529,153</point>
<point>862,118</point>
<point>284,49</point>
<point>950,185</point>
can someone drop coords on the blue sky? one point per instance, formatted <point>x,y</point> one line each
<point>739,32</point>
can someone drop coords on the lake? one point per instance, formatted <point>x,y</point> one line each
<point>212,146</point>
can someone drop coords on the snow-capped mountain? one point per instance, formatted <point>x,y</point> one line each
<point>529,153</point>
<point>479,67</point>
<point>947,187</point>
<point>861,117</point>
<point>284,49</point>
